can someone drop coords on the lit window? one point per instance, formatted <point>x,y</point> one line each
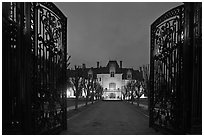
<point>112,74</point>
<point>112,86</point>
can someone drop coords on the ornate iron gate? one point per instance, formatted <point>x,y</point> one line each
<point>167,37</point>
<point>175,71</point>
<point>34,68</point>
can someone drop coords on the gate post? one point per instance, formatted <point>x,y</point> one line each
<point>64,115</point>
<point>192,69</point>
<point>151,81</point>
<point>26,69</point>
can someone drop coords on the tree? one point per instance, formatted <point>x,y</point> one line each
<point>124,93</point>
<point>130,89</point>
<point>87,88</point>
<point>139,91</point>
<point>146,82</point>
<point>92,90</point>
<point>99,90</point>
<point>127,91</point>
<point>134,89</point>
<point>77,84</point>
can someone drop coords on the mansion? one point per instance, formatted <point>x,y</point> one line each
<point>113,78</point>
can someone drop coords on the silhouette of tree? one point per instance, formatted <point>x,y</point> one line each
<point>75,82</point>
<point>134,89</point>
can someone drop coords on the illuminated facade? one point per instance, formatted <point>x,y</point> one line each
<point>113,78</point>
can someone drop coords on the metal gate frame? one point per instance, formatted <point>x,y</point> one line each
<point>34,68</point>
<point>175,77</point>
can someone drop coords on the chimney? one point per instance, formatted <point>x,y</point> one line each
<point>140,69</point>
<point>97,64</point>
<point>121,63</point>
<point>83,66</point>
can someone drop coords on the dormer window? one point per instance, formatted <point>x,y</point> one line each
<point>90,73</point>
<point>129,74</point>
<point>112,74</point>
<point>112,68</point>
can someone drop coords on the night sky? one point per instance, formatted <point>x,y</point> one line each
<point>111,31</point>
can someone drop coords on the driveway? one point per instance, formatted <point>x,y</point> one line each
<point>110,118</point>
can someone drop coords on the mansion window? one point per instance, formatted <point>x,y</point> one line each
<point>90,75</point>
<point>112,86</point>
<point>112,74</point>
<point>129,76</point>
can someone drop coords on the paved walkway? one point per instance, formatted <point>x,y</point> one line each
<point>79,105</point>
<point>143,106</point>
<point>109,118</point>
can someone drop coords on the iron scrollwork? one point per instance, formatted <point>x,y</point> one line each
<point>34,65</point>
<point>53,29</point>
<point>166,44</point>
<point>49,47</point>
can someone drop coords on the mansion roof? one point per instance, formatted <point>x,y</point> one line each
<point>136,74</point>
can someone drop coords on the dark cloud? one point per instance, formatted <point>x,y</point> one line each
<point>111,31</point>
